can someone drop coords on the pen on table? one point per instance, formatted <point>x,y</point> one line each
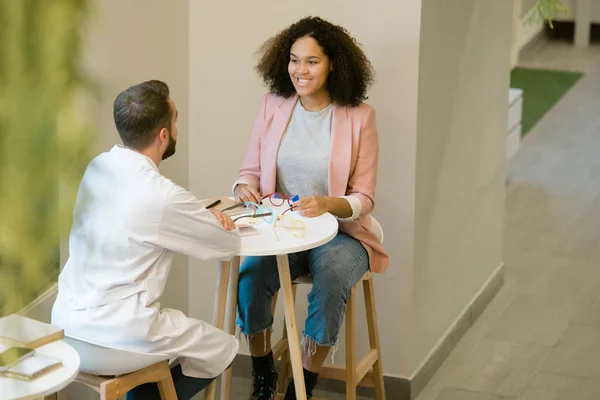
<point>214,203</point>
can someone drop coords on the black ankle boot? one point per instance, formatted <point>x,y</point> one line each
<point>265,378</point>
<point>310,381</point>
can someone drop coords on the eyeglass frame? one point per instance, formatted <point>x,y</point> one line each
<point>260,211</point>
<point>296,224</point>
<point>283,197</point>
<point>289,199</point>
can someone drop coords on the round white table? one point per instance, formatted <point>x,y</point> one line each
<point>319,230</point>
<point>48,384</point>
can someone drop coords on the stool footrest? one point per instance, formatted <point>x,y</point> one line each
<point>280,348</point>
<point>366,364</point>
<point>338,373</point>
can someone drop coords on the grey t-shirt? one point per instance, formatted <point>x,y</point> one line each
<point>303,157</point>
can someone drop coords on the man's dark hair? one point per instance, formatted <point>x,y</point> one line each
<point>352,72</point>
<point>141,111</point>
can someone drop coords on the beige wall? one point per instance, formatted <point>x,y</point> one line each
<point>129,42</point>
<point>527,6</point>
<point>461,147</point>
<point>224,98</point>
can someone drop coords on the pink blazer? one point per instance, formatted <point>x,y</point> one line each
<point>352,164</point>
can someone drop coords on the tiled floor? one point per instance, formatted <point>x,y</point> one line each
<point>240,389</point>
<point>540,337</point>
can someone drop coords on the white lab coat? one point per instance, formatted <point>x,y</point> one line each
<point>129,220</point>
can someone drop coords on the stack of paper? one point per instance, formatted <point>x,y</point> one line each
<point>19,331</point>
<point>32,367</point>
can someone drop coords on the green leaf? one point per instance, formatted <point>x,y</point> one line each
<point>547,10</point>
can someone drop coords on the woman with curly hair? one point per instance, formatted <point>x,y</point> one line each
<point>315,137</point>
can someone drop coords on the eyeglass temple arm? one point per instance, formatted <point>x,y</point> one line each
<point>253,216</point>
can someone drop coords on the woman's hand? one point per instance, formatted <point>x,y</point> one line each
<point>312,206</point>
<point>244,192</point>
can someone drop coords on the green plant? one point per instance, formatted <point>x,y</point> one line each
<point>547,10</point>
<point>44,144</point>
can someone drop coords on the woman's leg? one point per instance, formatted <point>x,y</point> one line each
<point>258,282</point>
<point>335,268</point>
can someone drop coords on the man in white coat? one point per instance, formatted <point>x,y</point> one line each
<point>128,222</point>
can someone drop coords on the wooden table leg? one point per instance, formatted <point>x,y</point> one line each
<point>292,332</point>
<point>219,313</point>
<point>230,326</point>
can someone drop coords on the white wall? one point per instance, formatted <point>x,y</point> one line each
<point>461,151</point>
<point>224,98</point>
<point>527,6</point>
<point>128,42</point>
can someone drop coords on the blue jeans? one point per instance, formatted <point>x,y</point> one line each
<point>185,386</point>
<point>335,268</point>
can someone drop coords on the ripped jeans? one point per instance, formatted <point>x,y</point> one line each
<point>335,268</point>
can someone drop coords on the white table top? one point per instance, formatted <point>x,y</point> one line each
<point>52,382</point>
<point>319,230</point>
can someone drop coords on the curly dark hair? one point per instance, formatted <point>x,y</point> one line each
<point>352,72</point>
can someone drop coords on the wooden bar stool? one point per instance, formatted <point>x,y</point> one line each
<point>113,372</point>
<point>114,387</point>
<point>368,371</point>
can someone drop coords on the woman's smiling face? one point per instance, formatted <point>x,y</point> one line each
<point>309,67</point>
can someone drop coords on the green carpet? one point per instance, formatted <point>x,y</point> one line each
<point>541,90</point>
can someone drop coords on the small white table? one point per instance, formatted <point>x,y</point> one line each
<point>48,384</point>
<point>319,230</point>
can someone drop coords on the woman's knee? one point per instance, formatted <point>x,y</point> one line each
<point>338,267</point>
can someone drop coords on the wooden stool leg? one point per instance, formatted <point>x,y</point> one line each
<point>284,372</point>
<point>230,328</point>
<point>285,279</point>
<point>53,396</point>
<point>351,347</point>
<point>219,314</point>
<point>166,387</point>
<point>284,363</point>
<point>105,395</point>
<point>274,305</point>
<point>374,337</point>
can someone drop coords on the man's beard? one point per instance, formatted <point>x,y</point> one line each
<point>170,148</point>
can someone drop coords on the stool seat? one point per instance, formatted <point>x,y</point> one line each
<point>113,372</point>
<point>101,360</point>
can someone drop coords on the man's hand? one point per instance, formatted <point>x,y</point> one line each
<point>244,192</point>
<point>224,219</point>
<point>312,206</point>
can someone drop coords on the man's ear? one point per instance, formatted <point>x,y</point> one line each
<point>163,135</point>
<point>331,67</point>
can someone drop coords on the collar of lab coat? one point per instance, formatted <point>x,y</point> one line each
<point>133,155</point>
